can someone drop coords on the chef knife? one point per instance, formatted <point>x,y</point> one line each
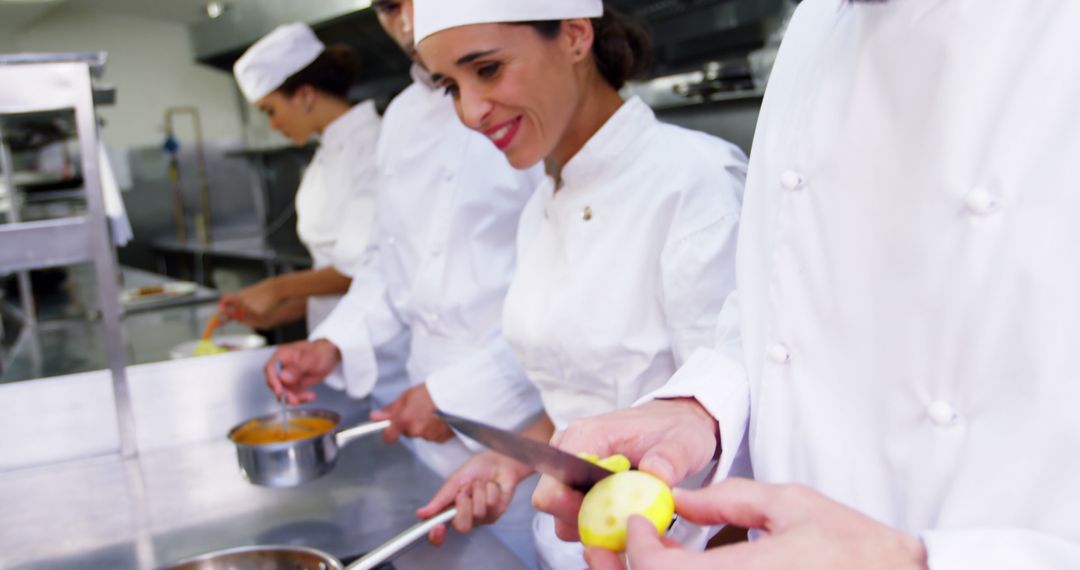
<point>573,471</point>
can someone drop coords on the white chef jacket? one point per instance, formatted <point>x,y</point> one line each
<point>623,270</point>
<point>441,261</point>
<point>908,278</point>
<point>335,204</point>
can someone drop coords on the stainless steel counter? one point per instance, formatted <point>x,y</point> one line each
<point>174,503</point>
<point>90,509</point>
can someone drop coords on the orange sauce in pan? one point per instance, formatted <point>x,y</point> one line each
<point>260,433</point>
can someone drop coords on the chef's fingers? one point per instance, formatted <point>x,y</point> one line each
<point>437,536</point>
<point>444,497</point>
<point>303,362</point>
<point>672,459</point>
<point>392,432</point>
<point>437,432</point>
<point>463,521</point>
<point>645,549</point>
<point>480,502</point>
<point>602,559</point>
<point>567,532</point>
<point>446,434</point>
<point>732,501</point>
<point>380,415</point>
<point>495,497</point>
<point>229,305</point>
<point>560,501</point>
<point>304,398</point>
<point>271,372</point>
<point>392,412</point>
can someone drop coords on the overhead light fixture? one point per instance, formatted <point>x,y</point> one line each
<point>215,9</point>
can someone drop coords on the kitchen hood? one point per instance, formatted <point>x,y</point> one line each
<point>688,33</point>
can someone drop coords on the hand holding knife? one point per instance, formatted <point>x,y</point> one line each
<point>573,471</point>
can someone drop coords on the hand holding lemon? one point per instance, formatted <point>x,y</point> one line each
<point>608,506</point>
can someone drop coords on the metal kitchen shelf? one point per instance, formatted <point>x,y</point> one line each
<point>62,83</point>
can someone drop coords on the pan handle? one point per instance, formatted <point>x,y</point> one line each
<point>401,541</point>
<point>345,436</point>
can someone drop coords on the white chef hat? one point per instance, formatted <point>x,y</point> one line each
<point>433,16</point>
<point>276,57</point>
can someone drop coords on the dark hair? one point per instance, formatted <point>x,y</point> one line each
<point>333,72</point>
<point>622,48</point>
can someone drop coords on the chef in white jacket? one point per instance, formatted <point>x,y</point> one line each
<point>626,249</point>
<point>437,271</point>
<point>903,343</point>
<point>302,86</point>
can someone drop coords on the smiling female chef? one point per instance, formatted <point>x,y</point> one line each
<point>302,86</point>
<point>625,251</point>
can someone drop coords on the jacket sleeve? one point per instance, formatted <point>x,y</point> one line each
<point>999,549</point>
<point>716,378</point>
<point>362,320</point>
<point>489,386</point>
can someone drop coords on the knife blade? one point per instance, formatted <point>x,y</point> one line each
<point>573,471</point>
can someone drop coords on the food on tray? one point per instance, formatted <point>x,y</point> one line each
<point>607,507</point>
<point>257,432</point>
<point>148,290</point>
<point>207,348</point>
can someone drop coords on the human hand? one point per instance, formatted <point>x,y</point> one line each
<point>802,529</point>
<point>413,414</point>
<point>297,367</point>
<point>481,489</point>
<point>671,439</point>
<point>258,306</point>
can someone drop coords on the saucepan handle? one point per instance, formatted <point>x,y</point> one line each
<point>345,436</point>
<point>401,541</point>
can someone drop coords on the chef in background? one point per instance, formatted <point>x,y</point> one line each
<point>626,249</point>
<point>439,265</point>
<point>302,86</point>
<point>899,370</point>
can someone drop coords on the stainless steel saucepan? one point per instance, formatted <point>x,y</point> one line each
<point>290,463</point>
<point>300,558</point>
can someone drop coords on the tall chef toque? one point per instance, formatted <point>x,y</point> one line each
<point>433,16</point>
<point>276,57</point>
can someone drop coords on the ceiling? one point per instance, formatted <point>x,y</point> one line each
<point>17,15</point>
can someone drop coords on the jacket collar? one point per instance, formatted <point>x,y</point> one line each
<point>360,116</point>
<point>611,142</point>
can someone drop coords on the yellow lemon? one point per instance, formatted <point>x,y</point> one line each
<point>608,506</point>
<point>616,463</point>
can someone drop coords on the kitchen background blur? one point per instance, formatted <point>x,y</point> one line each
<point>205,206</point>
<point>224,217</point>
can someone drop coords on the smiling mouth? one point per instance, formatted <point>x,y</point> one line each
<point>504,134</point>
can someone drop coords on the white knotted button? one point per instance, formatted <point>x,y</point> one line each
<point>981,202</point>
<point>942,414</point>
<point>779,353</point>
<point>791,180</point>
